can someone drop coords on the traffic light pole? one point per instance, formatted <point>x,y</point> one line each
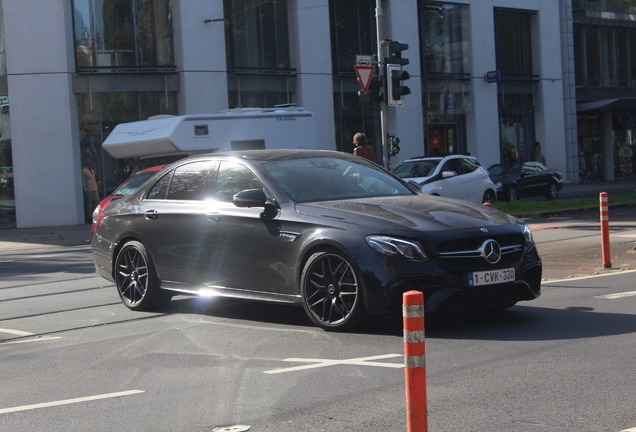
<point>379,13</point>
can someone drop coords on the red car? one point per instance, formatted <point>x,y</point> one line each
<point>126,188</point>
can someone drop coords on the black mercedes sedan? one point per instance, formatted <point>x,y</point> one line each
<point>530,179</point>
<point>326,230</point>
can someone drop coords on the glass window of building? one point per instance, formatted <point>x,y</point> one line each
<point>7,195</point>
<point>258,53</point>
<point>444,38</point>
<point>353,32</point>
<point>445,58</point>
<point>604,56</point>
<point>516,90</point>
<point>115,34</point>
<point>514,43</point>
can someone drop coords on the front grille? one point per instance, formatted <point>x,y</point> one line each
<point>465,254</point>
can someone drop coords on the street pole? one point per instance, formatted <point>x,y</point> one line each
<point>382,69</point>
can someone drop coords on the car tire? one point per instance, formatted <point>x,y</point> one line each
<point>332,292</point>
<point>489,197</point>
<point>136,279</point>
<point>553,191</point>
<point>513,193</point>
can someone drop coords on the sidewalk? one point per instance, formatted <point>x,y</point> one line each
<point>39,238</point>
<point>78,235</point>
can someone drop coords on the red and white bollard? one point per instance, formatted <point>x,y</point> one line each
<point>605,241</point>
<point>414,361</point>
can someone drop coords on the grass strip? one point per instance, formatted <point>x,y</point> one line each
<point>543,208</point>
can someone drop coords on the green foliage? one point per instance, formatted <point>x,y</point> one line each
<point>544,207</point>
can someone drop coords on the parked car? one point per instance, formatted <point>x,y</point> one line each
<point>126,188</point>
<point>327,230</point>
<point>454,176</point>
<point>529,179</point>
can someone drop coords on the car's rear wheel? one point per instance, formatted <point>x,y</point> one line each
<point>553,191</point>
<point>513,193</point>
<point>136,279</point>
<point>489,197</point>
<point>331,291</point>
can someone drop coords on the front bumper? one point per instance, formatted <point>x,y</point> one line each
<point>447,289</point>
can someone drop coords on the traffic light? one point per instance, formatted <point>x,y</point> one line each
<point>395,75</point>
<point>396,91</point>
<point>394,147</point>
<point>375,93</point>
<point>395,53</point>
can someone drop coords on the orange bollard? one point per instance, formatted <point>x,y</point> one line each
<point>605,242</point>
<point>414,361</point>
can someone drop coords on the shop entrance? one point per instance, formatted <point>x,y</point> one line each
<point>442,139</point>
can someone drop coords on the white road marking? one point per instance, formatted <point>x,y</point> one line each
<point>26,334</point>
<point>69,401</point>
<point>618,295</point>
<point>362,361</point>
<point>629,430</point>
<point>587,277</point>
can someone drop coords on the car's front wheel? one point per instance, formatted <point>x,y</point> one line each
<point>331,291</point>
<point>136,279</point>
<point>489,197</point>
<point>553,191</point>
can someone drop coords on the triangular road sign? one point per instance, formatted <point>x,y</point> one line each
<point>364,74</point>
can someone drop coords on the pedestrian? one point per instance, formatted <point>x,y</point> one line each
<point>538,156</point>
<point>89,184</point>
<point>363,149</point>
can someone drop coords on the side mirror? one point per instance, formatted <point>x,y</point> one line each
<point>250,198</point>
<point>447,174</point>
<point>255,198</point>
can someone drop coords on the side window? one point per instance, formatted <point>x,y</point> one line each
<point>190,181</point>
<point>160,189</point>
<point>452,165</point>
<point>233,178</point>
<point>469,165</point>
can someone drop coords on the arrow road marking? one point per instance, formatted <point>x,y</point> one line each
<point>316,363</point>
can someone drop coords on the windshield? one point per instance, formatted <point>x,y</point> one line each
<point>133,183</point>
<point>327,179</point>
<point>417,168</point>
<point>504,169</point>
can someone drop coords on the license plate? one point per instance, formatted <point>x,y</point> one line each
<point>491,277</point>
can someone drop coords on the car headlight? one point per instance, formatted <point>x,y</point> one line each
<point>527,233</point>
<point>96,213</point>
<point>499,185</point>
<point>397,248</point>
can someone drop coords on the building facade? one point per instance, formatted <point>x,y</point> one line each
<point>604,34</point>
<point>70,70</point>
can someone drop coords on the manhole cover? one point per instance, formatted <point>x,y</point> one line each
<point>233,428</point>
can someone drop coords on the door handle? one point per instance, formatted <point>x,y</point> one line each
<point>151,214</point>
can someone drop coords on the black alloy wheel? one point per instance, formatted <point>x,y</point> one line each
<point>489,197</point>
<point>513,193</point>
<point>136,280</point>
<point>331,291</point>
<point>553,191</point>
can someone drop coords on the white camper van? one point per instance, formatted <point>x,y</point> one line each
<point>236,129</point>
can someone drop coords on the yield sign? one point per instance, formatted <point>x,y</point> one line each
<point>364,76</point>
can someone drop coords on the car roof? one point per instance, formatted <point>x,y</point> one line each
<point>440,157</point>
<point>154,168</point>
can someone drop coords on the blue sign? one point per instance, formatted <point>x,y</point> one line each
<point>493,76</point>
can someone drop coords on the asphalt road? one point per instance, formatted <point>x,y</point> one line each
<point>74,359</point>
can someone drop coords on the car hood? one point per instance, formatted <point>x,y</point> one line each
<point>419,212</point>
